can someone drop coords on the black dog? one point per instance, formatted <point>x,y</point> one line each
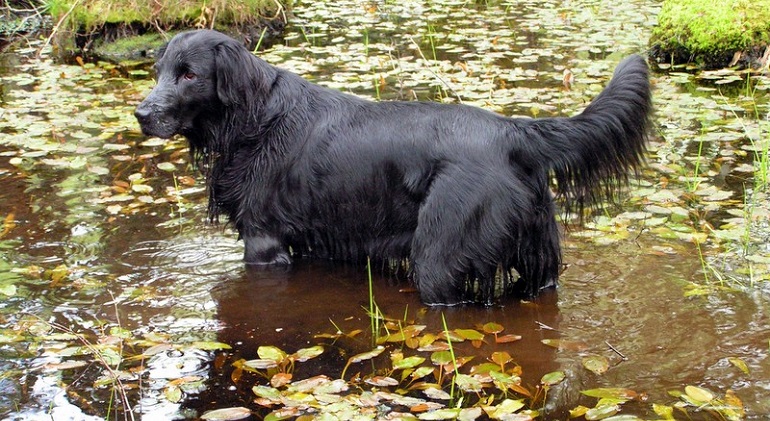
<point>460,193</point>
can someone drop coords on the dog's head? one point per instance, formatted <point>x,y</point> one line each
<point>199,75</point>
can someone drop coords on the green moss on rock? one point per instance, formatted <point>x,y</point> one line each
<point>130,48</point>
<point>92,26</point>
<point>710,32</point>
<point>89,15</point>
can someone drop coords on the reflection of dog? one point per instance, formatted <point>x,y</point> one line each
<point>459,191</point>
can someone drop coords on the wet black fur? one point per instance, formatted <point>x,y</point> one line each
<point>459,192</point>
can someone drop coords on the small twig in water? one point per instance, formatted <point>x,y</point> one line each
<point>623,357</point>
<point>440,79</point>
<point>544,326</point>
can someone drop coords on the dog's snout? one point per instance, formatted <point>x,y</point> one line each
<point>142,112</point>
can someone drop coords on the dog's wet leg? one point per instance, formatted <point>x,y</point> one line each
<point>264,250</point>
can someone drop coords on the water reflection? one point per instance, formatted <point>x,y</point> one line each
<point>669,340</point>
<point>287,308</point>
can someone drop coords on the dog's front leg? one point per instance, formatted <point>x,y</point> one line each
<point>263,249</point>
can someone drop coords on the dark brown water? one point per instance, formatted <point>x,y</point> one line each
<point>105,233</point>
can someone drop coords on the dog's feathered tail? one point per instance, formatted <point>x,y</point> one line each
<point>591,154</point>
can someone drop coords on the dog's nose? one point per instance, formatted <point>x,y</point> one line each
<point>142,113</point>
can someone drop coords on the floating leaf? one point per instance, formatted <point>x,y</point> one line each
<point>504,381</point>
<point>441,358</point>
<point>282,414</point>
<point>665,411</point>
<point>504,339</point>
<point>382,381</point>
<point>734,403</point>
<point>305,354</point>
<point>622,417</point>
<point>486,369</point>
<point>65,365</point>
<point>280,379</point>
<point>421,372</point>
<point>611,393</point>
<point>468,383</point>
<point>260,364</point>
<point>597,364</point>
<point>210,346</point>
<point>409,362</point>
<point>501,358</point>
<point>434,347</point>
<point>506,408</point>
<point>266,392</point>
<point>440,414</point>
<point>8,290</point>
<point>334,386</point>
<point>225,414</point>
<point>601,412</point>
<point>173,394</point>
<point>141,188</point>
<point>167,166</point>
<point>59,273</point>
<point>435,393</point>
<point>7,336</point>
<point>271,353</point>
<point>552,378</point>
<point>740,364</point>
<point>309,384</point>
<point>469,334</point>
<point>154,141</point>
<point>699,394</point>
<point>493,328</point>
<point>578,411</point>
<point>110,357</point>
<point>366,355</point>
<point>471,414</point>
<point>405,333</point>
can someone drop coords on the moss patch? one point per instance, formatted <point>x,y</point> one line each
<point>131,48</point>
<point>710,32</point>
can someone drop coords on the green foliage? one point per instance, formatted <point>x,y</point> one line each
<point>711,27</point>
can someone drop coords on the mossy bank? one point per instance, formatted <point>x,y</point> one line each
<point>107,28</point>
<point>712,34</point>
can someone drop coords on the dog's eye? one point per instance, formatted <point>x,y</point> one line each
<point>189,75</point>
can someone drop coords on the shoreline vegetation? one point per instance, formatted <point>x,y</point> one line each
<point>705,35</point>
<point>117,29</point>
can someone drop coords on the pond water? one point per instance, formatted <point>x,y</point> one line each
<point>119,300</point>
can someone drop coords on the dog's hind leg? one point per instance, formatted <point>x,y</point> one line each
<point>464,230</point>
<point>537,255</point>
<point>264,250</point>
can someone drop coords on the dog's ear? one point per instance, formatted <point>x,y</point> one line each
<point>241,77</point>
